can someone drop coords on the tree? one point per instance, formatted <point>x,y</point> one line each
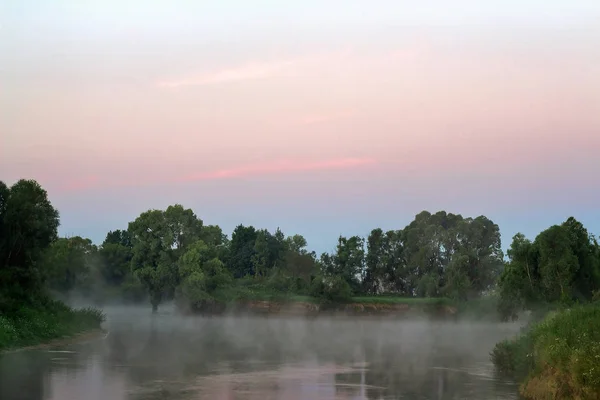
<point>241,249</point>
<point>67,264</point>
<point>479,240</point>
<point>182,227</point>
<point>296,243</point>
<point>557,263</point>
<point>202,274</point>
<point>374,263</point>
<point>349,259</point>
<point>457,282</point>
<point>331,289</point>
<point>260,256</point>
<point>561,265</point>
<point>159,238</point>
<point>423,244</point>
<point>28,224</point>
<point>213,235</point>
<point>152,255</point>
<point>115,263</point>
<point>433,241</point>
<point>301,267</point>
<point>584,246</point>
<point>120,237</point>
<point>397,274</point>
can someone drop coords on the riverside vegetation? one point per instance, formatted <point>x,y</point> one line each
<point>28,315</point>
<point>558,277</point>
<point>438,260</point>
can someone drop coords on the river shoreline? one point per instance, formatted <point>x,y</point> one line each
<point>313,310</point>
<point>77,338</point>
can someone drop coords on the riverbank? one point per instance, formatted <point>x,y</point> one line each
<point>355,308</point>
<point>392,307</point>
<point>46,322</point>
<point>557,358</point>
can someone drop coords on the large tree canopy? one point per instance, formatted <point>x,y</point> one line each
<point>28,225</point>
<point>561,264</point>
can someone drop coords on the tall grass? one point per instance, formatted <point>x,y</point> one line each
<point>558,357</point>
<point>49,320</point>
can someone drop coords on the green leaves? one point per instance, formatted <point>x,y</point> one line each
<point>28,224</point>
<point>67,263</point>
<point>561,265</point>
<point>435,254</point>
<point>159,238</point>
<point>201,274</point>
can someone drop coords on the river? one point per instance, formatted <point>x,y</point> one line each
<point>166,356</point>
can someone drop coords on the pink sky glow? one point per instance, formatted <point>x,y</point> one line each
<point>365,104</point>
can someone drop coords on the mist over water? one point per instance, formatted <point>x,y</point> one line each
<point>167,356</point>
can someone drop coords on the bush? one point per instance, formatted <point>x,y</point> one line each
<point>331,290</point>
<point>48,320</point>
<point>561,353</point>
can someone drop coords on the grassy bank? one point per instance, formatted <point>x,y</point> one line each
<point>45,321</point>
<point>557,358</point>
<point>250,294</point>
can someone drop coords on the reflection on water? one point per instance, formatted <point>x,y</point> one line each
<point>148,357</point>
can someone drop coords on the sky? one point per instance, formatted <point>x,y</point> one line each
<point>321,118</point>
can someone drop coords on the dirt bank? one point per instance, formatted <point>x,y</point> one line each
<point>308,309</point>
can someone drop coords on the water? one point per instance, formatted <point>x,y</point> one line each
<point>145,357</point>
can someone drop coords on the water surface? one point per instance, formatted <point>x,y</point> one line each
<point>165,356</point>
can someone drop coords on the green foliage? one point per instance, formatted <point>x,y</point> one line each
<point>561,352</point>
<point>348,261</point>
<point>166,254</point>
<point>428,285</point>
<point>243,240</point>
<point>45,320</point>
<point>159,238</point>
<point>436,254</point>
<point>29,255</point>
<point>115,262</point>
<point>66,263</point>
<point>562,265</point>
<point>28,224</point>
<point>202,274</point>
<point>457,285</point>
<point>260,256</point>
<point>331,289</point>
<point>118,237</point>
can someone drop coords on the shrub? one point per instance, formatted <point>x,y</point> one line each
<point>47,320</point>
<point>561,352</point>
<point>331,290</point>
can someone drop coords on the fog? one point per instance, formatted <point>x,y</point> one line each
<point>168,356</point>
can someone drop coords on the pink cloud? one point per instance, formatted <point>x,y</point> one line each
<point>258,70</point>
<point>245,72</point>
<point>284,166</point>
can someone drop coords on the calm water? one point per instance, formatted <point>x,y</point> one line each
<point>165,356</point>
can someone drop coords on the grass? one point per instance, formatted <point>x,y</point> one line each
<point>558,357</point>
<point>47,321</point>
<point>402,300</point>
<point>261,294</point>
<point>249,289</point>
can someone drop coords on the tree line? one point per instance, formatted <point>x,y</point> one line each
<point>171,254</point>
